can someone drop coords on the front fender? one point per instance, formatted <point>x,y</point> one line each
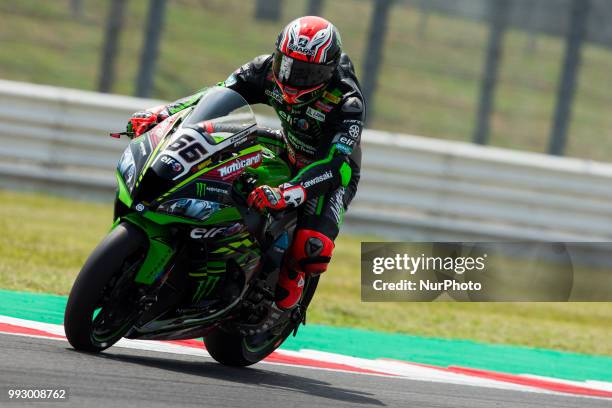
<point>160,249</point>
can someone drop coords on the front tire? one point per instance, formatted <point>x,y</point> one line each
<point>234,349</point>
<point>103,267</point>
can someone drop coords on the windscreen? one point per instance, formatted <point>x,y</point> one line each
<point>219,114</point>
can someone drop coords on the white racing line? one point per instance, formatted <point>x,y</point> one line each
<point>318,360</point>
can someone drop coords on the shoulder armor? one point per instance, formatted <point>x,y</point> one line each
<point>352,104</point>
<point>346,65</point>
<point>259,63</point>
<point>253,72</point>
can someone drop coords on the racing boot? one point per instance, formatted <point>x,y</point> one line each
<point>289,287</point>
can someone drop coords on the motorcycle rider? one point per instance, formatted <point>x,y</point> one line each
<point>312,87</point>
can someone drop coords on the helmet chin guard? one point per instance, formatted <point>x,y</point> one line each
<point>295,96</point>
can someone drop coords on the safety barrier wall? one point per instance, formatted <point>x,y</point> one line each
<point>413,188</point>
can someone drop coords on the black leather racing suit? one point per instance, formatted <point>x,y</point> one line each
<point>320,139</point>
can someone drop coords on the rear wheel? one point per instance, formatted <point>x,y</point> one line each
<point>234,349</point>
<point>101,306</point>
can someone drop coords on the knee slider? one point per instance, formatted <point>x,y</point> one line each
<point>311,251</point>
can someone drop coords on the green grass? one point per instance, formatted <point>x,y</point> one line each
<point>429,85</point>
<point>44,241</point>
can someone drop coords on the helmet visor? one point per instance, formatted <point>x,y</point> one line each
<point>300,74</point>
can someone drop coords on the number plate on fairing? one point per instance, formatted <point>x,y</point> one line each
<point>186,149</point>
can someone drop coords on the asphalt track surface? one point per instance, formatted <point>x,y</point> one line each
<point>122,377</point>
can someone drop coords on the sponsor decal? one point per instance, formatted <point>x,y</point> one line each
<point>302,124</point>
<point>240,138</point>
<point>285,116</point>
<point>199,233</point>
<point>143,149</point>
<point>353,121</point>
<point>354,131</point>
<point>344,148</point>
<point>296,143</point>
<point>284,72</point>
<point>274,95</point>
<point>331,97</point>
<point>315,114</point>
<point>213,189</point>
<point>301,47</point>
<point>239,164</point>
<point>345,140</point>
<point>318,179</point>
<point>323,106</point>
<point>174,165</point>
<point>200,166</point>
<point>200,189</point>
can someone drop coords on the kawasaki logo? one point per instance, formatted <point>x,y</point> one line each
<point>239,164</point>
<point>325,176</point>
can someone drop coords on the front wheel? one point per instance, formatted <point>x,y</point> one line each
<point>101,308</point>
<point>234,349</point>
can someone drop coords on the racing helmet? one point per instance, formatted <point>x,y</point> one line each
<point>306,56</point>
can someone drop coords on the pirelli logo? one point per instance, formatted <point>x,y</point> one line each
<point>331,97</point>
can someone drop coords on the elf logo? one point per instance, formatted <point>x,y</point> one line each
<point>199,233</point>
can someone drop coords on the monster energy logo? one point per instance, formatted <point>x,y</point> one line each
<point>200,189</point>
<point>205,287</point>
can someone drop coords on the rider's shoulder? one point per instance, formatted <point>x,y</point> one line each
<point>345,79</point>
<point>259,63</point>
<point>255,70</point>
<point>345,88</point>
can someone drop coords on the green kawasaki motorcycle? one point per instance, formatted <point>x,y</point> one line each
<point>186,258</point>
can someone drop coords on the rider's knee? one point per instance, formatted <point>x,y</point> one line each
<point>311,251</point>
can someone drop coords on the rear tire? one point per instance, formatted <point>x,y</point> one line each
<point>105,262</point>
<point>230,348</point>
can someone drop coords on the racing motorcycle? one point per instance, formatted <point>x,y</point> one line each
<point>185,257</point>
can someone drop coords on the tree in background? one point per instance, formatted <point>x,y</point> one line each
<point>579,12</point>
<point>268,10</point>
<point>150,48</point>
<point>498,20</point>
<point>423,18</point>
<point>76,8</point>
<point>114,26</point>
<point>374,51</point>
<point>314,8</point>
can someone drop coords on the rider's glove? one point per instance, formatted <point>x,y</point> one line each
<point>285,196</point>
<point>141,122</point>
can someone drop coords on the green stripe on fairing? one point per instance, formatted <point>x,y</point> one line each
<point>370,344</point>
<point>124,193</point>
<point>243,152</point>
